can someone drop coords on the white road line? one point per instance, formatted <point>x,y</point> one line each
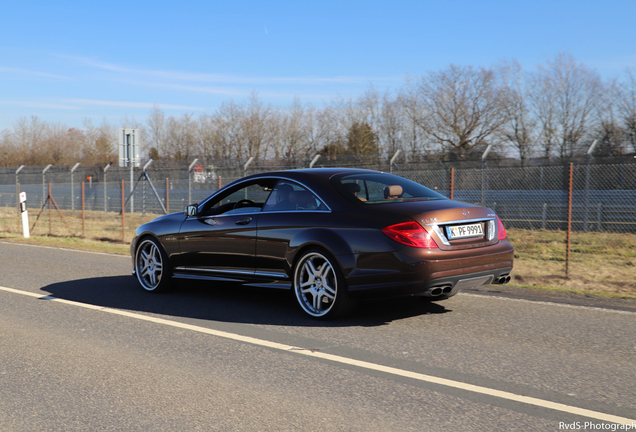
<point>345,360</point>
<point>66,249</point>
<point>565,305</point>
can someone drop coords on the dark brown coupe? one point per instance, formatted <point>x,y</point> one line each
<point>330,235</point>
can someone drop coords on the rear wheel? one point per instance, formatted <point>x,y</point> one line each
<point>319,286</point>
<point>151,266</point>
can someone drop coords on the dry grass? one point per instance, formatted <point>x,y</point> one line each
<point>103,232</point>
<point>600,263</point>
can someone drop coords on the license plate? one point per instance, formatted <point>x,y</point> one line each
<point>462,231</point>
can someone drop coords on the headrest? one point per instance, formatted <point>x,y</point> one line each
<point>354,188</point>
<point>392,192</point>
<point>284,190</point>
<point>302,198</point>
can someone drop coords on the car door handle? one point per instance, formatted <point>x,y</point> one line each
<point>244,221</point>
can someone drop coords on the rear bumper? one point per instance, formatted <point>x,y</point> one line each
<point>416,271</point>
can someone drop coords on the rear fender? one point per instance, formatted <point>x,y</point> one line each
<point>327,239</point>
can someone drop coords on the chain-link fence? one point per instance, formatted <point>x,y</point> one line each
<point>534,202</point>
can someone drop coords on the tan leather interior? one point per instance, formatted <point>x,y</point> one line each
<point>393,192</point>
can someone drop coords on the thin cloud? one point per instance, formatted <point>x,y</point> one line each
<point>32,104</point>
<point>126,104</point>
<point>228,79</point>
<point>30,73</point>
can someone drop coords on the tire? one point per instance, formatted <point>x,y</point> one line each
<point>319,286</point>
<point>152,267</point>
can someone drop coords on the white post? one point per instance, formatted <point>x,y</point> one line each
<point>190,180</point>
<point>16,183</point>
<point>44,182</point>
<point>72,189</point>
<point>105,194</point>
<point>25,215</point>
<point>393,160</point>
<point>314,160</point>
<point>249,161</point>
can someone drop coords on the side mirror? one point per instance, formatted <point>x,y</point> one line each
<point>192,210</point>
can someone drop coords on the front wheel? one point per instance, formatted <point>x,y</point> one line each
<point>319,286</point>
<point>152,267</point>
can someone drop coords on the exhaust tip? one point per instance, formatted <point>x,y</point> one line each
<point>436,292</point>
<point>447,289</point>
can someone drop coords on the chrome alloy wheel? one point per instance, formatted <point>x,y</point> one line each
<point>316,284</point>
<point>149,265</point>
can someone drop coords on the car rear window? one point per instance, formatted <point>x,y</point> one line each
<point>381,188</point>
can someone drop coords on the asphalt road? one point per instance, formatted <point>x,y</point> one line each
<point>82,347</point>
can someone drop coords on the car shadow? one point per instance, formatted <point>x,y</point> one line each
<point>229,302</point>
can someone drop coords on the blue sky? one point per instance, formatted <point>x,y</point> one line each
<point>64,61</point>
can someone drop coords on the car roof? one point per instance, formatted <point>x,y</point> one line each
<point>312,172</point>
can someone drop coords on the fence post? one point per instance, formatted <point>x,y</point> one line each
<point>190,180</point>
<point>393,160</point>
<point>50,211</point>
<point>167,195</point>
<point>544,216</point>
<point>72,187</point>
<point>44,182</point>
<point>599,225</point>
<point>452,182</point>
<point>17,185</point>
<point>105,193</point>
<point>83,214</point>
<point>588,156</point>
<point>123,214</point>
<point>567,249</point>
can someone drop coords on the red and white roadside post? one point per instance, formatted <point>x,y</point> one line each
<point>25,215</point>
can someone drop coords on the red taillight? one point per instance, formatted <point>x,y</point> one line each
<point>501,229</point>
<point>410,234</point>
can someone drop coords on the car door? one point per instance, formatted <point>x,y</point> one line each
<point>222,237</point>
<point>291,208</point>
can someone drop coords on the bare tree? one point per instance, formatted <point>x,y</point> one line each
<point>565,93</point>
<point>157,133</point>
<point>608,130</point>
<point>181,137</point>
<point>390,125</point>
<point>627,107</point>
<point>461,108</point>
<point>519,127</point>
<point>291,143</point>
<point>413,111</point>
<point>255,130</point>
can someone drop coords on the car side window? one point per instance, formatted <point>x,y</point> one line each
<point>290,196</point>
<point>249,198</point>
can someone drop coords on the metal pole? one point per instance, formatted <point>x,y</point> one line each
<point>483,174</point>
<point>83,214</point>
<point>143,185</point>
<point>44,182</point>
<point>123,213</point>
<point>143,195</point>
<point>567,249</point>
<point>393,160</point>
<point>588,156</point>
<point>314,160</point>
<point>249,161</point>
<point>17,183</point>
<point>72,188</point>
<point>452,182</point>
<point>105,194</point>
<point>50,212</point>
<point>190,180</point>
<point>167,195</point>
